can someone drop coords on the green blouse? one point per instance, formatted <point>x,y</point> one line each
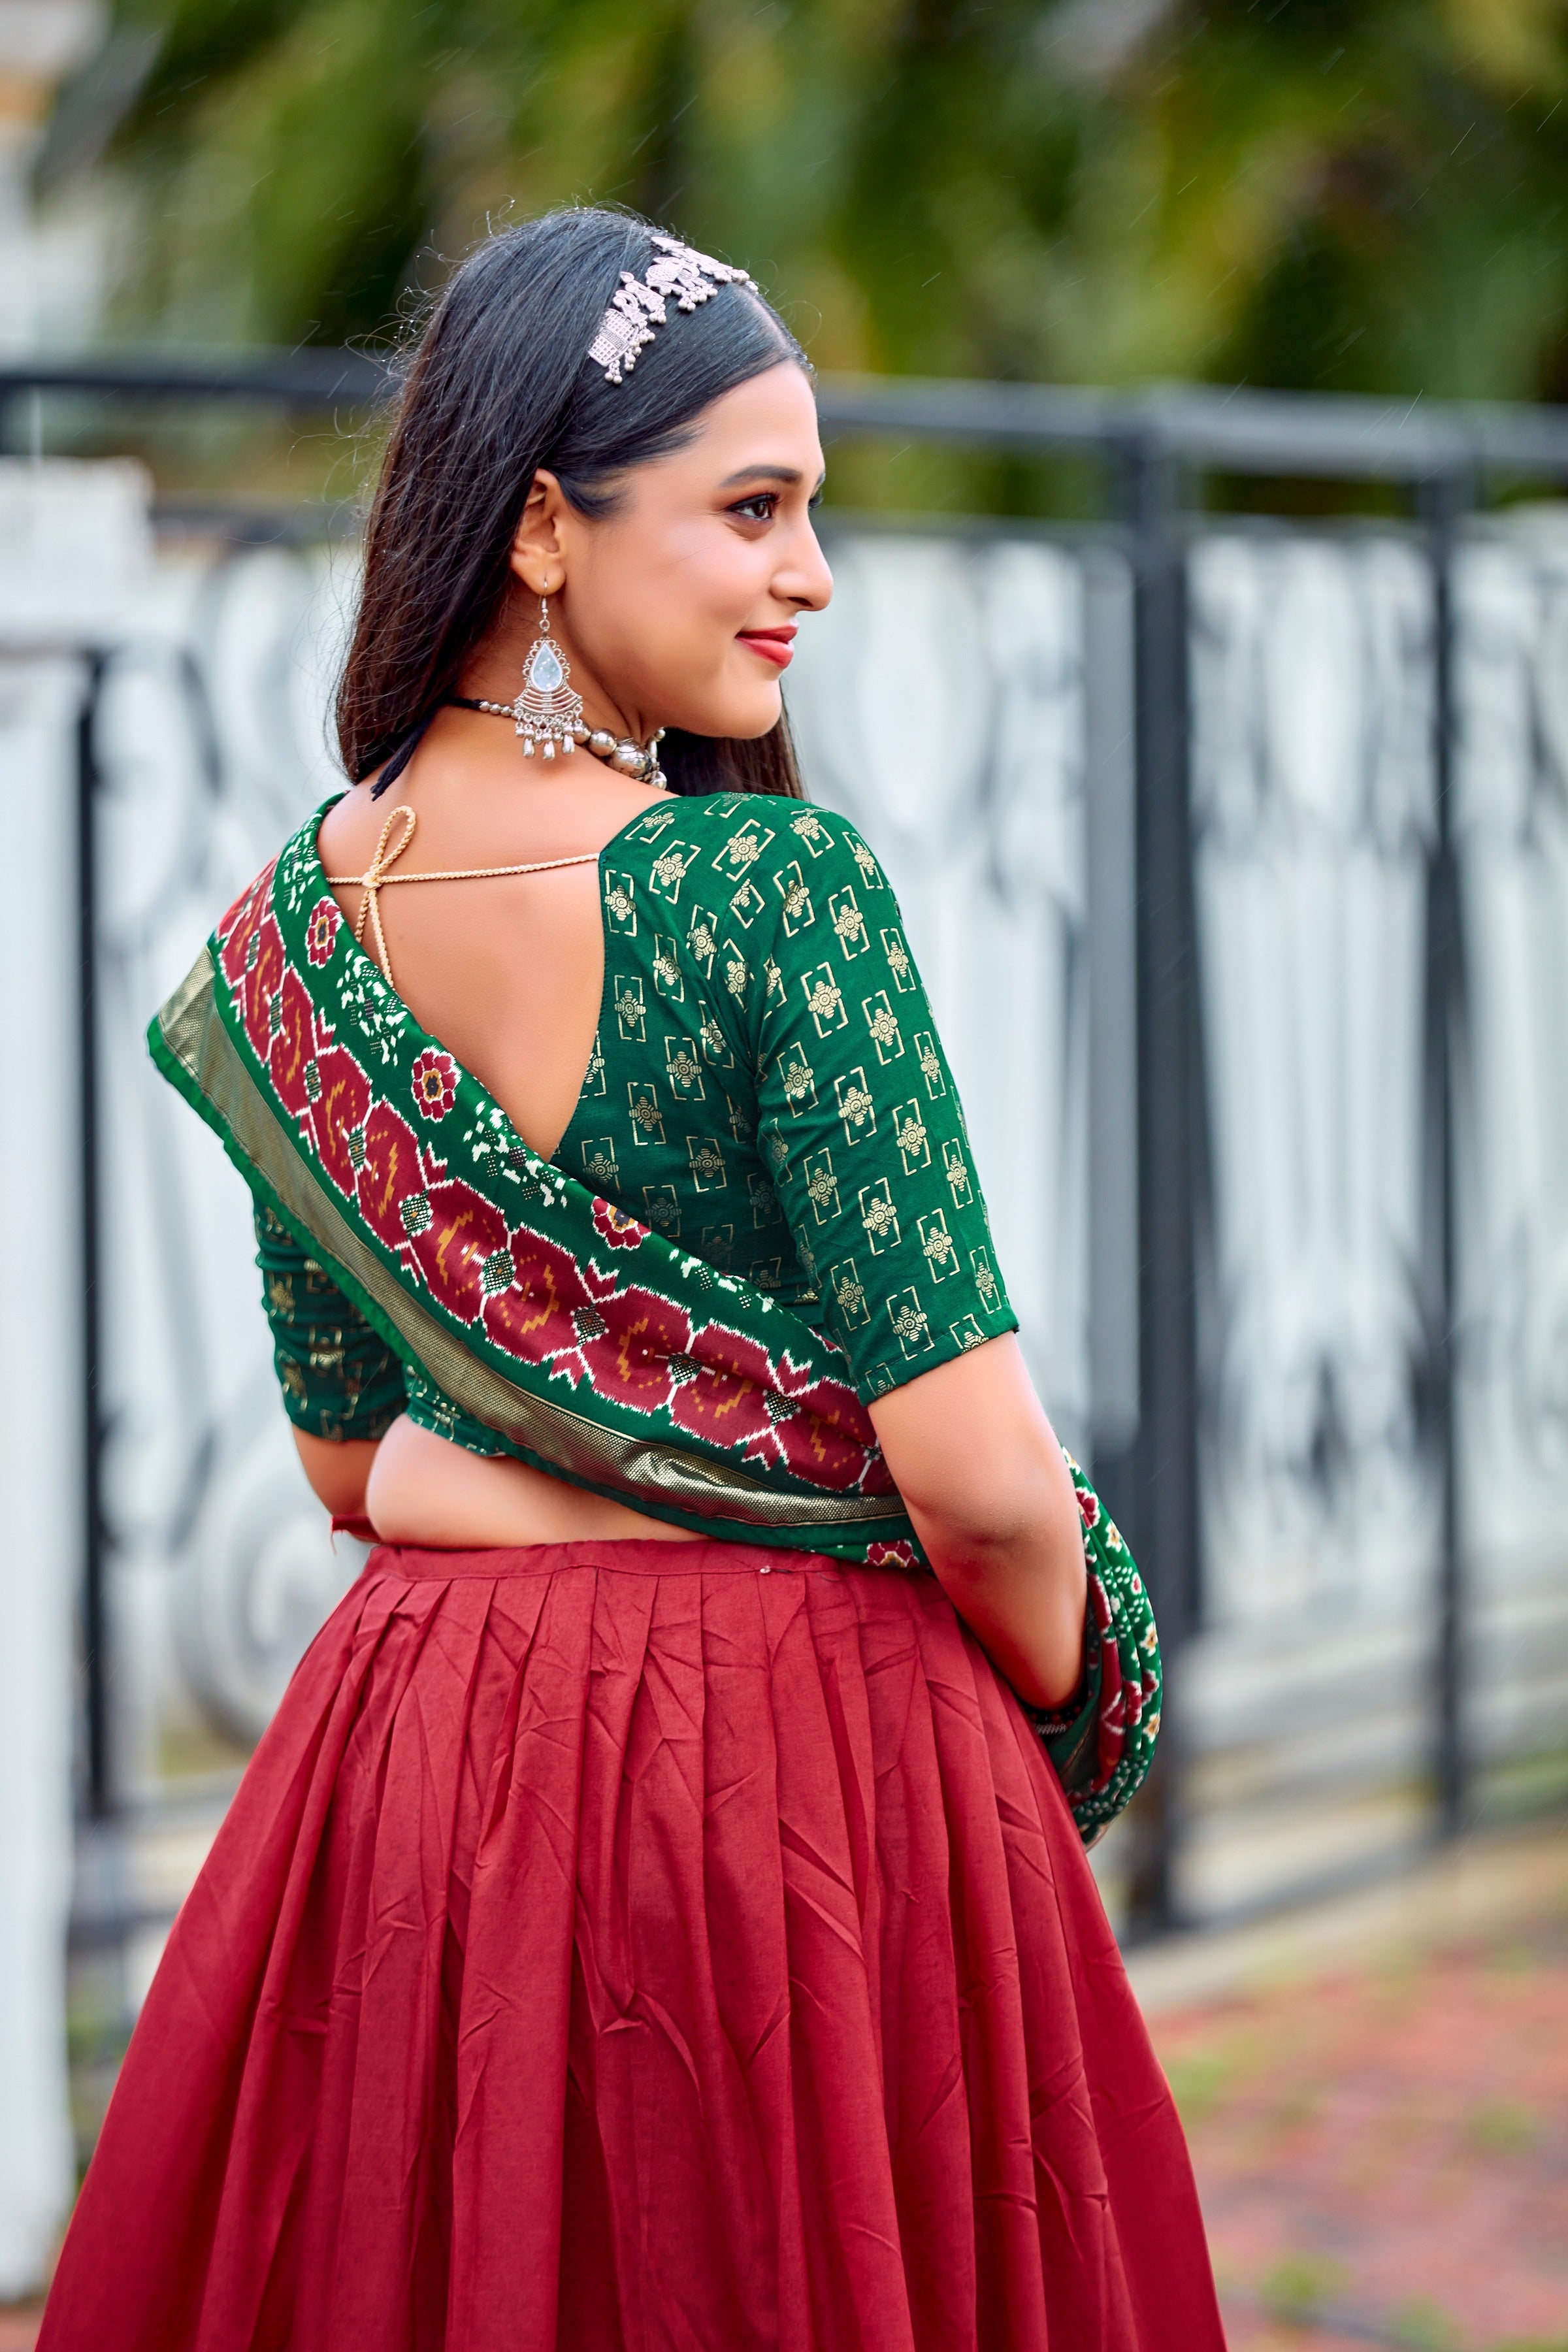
<point>766,1086</point>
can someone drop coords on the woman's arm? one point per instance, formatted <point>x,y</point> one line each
<point>992,1500</point>
<point>338,1470</point>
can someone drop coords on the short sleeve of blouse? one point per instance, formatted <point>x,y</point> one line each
<point>860,1124</point>
<point>339,1378</point>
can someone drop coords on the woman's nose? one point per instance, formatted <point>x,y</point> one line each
<point>805,579</point>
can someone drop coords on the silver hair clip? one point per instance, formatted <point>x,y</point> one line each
<point>639,304</point>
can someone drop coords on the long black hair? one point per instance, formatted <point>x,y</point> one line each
<point>499,384</point>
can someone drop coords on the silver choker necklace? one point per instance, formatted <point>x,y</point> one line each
<point>629,757</point>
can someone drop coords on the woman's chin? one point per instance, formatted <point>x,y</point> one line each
<point>745,717</point>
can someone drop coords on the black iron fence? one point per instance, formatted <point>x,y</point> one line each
<point>1156,451</point>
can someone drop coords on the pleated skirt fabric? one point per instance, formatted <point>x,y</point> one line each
<point>640,1947</point>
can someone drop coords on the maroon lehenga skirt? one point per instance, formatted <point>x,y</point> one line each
<point>640,1947</point>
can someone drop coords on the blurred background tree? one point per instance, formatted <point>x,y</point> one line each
<point>1350,195</point>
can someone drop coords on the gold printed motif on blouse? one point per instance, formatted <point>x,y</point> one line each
<point>937,1245</point>
<point>985,1281</point>
<point>879,1216</point>
<point>883,1024</point>
<point>630,1011</point>
<point>900,961</point>
<point>667,977</point>
<point>620,905</point>
<point>662,1204</point>
<point>823,1000</point>
<point>929,1061</point>
<point>765,1209</point>
<point>821,1185</point>
<point>910,1135</point>
<point>848,924</point>
<point>650,826</point>
<point>706,1162</point>
<point>715,1046</point>
<point>684,1070</point>
<point>668,871</point>
<point>743,848</point>
<point>598,1162</point>
<point>870,872</point>
<point>849,1293</point>
<point>799,915</point>
<point>737,978</point>
<point>857,1105</point>
<point>702,939</point>
<point>907,1317</point>
<point>647,1119</point>
<point>798,1080</point>
<point>955,1168</point>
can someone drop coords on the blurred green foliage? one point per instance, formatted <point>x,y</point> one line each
<point>1297,2286</point>
<point>1351,195</point>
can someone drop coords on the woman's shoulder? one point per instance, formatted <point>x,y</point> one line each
<point>343,831</point>
<point>751,841</point>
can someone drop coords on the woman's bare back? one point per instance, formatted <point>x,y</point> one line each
<point>507,972</point>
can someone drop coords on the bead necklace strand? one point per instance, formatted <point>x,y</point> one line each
<point>639,760</point>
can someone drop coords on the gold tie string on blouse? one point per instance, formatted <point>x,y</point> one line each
<point>378,876</point>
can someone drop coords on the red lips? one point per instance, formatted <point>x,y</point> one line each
<point>773,645</point>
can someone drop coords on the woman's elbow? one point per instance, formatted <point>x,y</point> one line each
<point>1000,1521</point>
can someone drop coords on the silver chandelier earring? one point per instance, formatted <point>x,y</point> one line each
<point>546,711</point>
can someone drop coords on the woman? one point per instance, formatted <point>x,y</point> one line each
<point>652,1919</point>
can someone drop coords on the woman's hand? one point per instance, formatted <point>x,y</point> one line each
<point>338,1471</point>
<point>992,1499</point>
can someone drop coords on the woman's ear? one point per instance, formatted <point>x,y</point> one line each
<point>538,551</point>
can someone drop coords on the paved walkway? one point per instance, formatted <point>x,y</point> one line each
<point>1381,2135</point>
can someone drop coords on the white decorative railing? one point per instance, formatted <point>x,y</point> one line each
<point>966,700</point>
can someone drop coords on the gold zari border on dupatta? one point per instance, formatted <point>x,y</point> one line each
<point>193,1035</point>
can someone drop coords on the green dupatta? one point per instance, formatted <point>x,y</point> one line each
<point>596,1350</point>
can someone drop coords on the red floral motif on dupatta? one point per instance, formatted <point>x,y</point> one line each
<point>294,1047</point>
<point>535,1319</point>
<point>452,1249</point>
<point>636,1358</point>
<point>817,1428</point>
<point>341,1099</point>
<point>389,1172</point>
<point>260,983</point>
<point>242,923</point>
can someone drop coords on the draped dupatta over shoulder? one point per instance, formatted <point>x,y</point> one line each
<point>594,1346</point>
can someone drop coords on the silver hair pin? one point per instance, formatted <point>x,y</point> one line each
<point>676,272</point>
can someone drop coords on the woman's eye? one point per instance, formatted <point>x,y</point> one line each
<point>762,509</point>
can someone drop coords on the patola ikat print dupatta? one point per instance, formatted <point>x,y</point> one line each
<point>593,1346</point>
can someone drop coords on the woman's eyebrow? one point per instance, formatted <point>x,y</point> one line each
<point>789,475</point>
